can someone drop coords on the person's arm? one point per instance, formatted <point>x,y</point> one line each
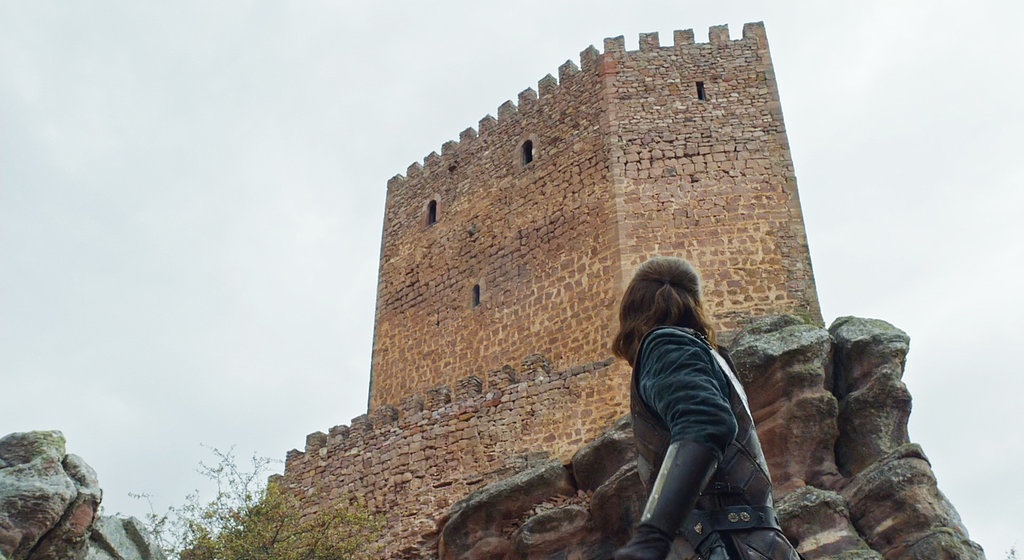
<point>681,381</point>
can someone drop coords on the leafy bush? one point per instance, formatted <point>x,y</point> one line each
<point>251,519</point>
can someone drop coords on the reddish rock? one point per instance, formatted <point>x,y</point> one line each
<point>617,505</point>
<point>818,523</point>
<point>563,532</point>
<point>874,403</point>
<point>865,349</point>
<point>35,490</point>
<point>72,532</point>
<point>897,506</point>
<point>485,514</point>
<point>596,462</point>
<point>784,364</point>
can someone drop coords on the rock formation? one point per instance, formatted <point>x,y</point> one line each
<point>48,498</point>
<point>119,538</point>
<point>585,507</point>
<point>832,413</point>
<point>48,506</point>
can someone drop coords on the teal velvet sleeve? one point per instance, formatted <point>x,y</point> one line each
<point>683,383</point>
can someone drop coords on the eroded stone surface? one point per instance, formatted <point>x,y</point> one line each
<point>618,503</point>
<point>784,364</point>
<point>118,538</point>
<point>48,505</point>
<point>897,506</point>
<point>865,349</point>
<point>68,539</point>
<point>556,533</point>
<point>818,523</point>
<point>874,403</point>
<point>485,513</point>
<point>35,491</point>
<point>597,461</point>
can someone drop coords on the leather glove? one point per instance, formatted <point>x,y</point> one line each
<point>648,543</point>
<point>685,471</point>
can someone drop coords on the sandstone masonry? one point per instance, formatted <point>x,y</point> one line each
<point>413,462</point>
<point>503,257</point>
<point>520,237</point>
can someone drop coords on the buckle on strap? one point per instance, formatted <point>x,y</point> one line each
<point>700,524</point>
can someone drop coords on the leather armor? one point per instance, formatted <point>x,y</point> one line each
<point>734,516</point>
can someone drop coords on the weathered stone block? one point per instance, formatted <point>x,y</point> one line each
<point>818,523</point>
<point>468,388</point>
<point>596,462</point>
<point>897,506</point>
<point>437,397</point>
<point>483,513</point>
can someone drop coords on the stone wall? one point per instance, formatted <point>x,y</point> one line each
<point>521,467</point>
<point>627,163</point>
<point>520,237</point>
<point>416,460</point>
<point>536,238</point>
<point>710,179</point>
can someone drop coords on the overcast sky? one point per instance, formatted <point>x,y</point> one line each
<point>191,196</point>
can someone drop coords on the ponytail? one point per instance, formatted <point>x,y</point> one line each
<point>665,291</point>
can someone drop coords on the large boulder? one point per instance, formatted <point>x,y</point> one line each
<point>597,461</point>
<point>563,532</point>
<point>48,498</point>
<point>476,524</point>
<point>119,538</point>
<point>874,404</point>
<point>784,364</point>
<point>818,523</point>
<point>617,504</point>
<point>897,506</point>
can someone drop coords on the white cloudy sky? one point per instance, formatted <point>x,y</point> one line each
<point>191,196</point>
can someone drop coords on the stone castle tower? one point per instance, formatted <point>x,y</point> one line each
<point>502,260</point>
<point>519,238</point>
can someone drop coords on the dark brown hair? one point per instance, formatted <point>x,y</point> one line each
<point>665,291</point>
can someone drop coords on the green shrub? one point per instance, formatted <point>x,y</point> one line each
<point>251,519</point>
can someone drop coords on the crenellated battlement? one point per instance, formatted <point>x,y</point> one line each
<point>413,461</point>
<point>589,64</point>
<point>506,384</point>
<point>518,236</point>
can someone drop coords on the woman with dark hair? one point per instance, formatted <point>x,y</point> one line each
<point>699,456</point>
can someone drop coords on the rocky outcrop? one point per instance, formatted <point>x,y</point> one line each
<point>831,412</point>
<point>818,522</point>
<point>119,538</point>
<point>48,498</point>
<point>785,365</point>
<point>48,504</point>
<point>581,510</point>
<point>477,523</point>
<point>896,504</point>
<point>870,356</point>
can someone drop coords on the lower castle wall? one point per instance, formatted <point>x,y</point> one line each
<point>413,462</point>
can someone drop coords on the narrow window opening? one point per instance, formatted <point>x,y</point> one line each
<point>432,213</point>
<point>701,94</point>
<point>476,295</point>
<point>527,152</point>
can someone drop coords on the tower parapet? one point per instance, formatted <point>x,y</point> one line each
<point>519,236</point>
